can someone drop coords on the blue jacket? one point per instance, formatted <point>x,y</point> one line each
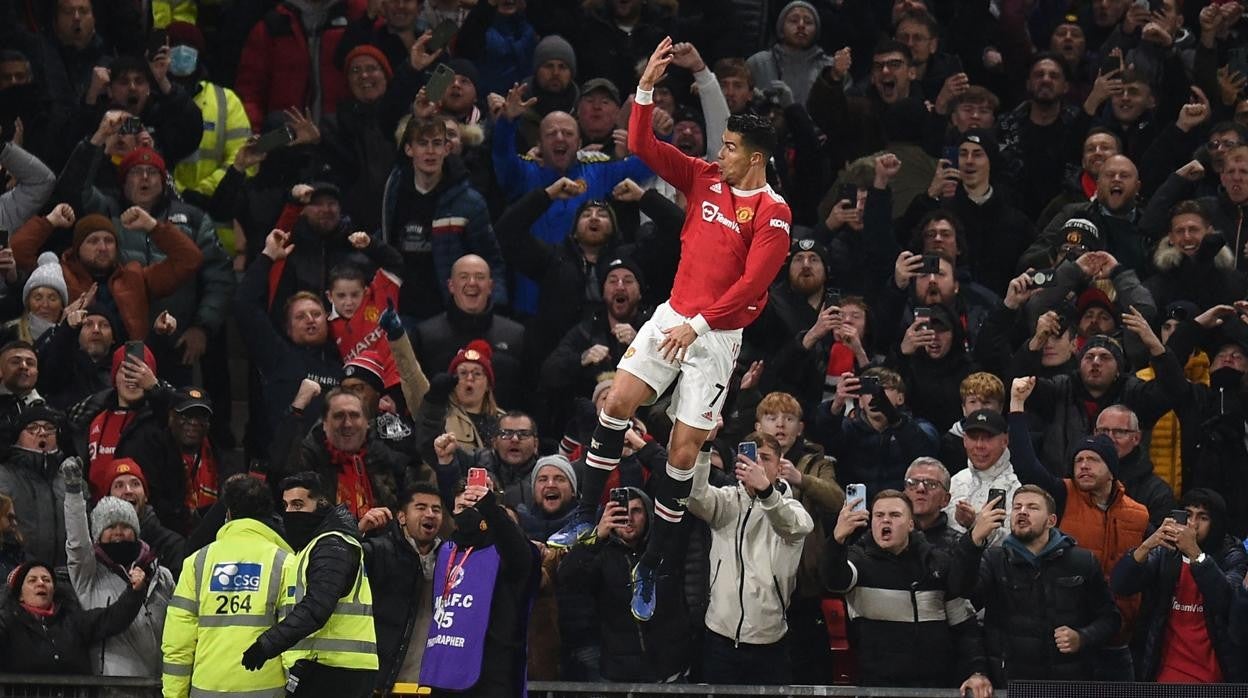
<point>461,225</point>
<point>864,455</point>
<point>518,176</point>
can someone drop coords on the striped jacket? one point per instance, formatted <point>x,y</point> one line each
<point>898,612</point>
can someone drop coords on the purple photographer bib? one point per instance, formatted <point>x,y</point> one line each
<point>463,587</point>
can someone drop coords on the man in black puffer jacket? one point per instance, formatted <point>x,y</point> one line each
<point>895,560</point>
<point>631,650</point>
<point>1188,573</point>
<point>400,559</point>
<point>1047,606</point>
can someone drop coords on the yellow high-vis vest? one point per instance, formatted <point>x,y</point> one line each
<point>348,639</point>
<point>228,595</point>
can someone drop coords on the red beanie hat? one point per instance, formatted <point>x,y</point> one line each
<point>373,52</point>
<point>120,355</point>
<point>142,155</point>
<point>185,33</point>
<point>368,367</point>
<point>102,478</point>
<point>478,351</point>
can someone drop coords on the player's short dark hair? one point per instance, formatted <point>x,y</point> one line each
<point>347,272</point>
<point>893,46</point>
<point>410,493</point>
<point>15,345</point>
<point>756,131</point>
<point>246,497</point>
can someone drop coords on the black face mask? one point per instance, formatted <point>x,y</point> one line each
<point>470,527</point>
<point>301,526</point>
<point>122,552</point>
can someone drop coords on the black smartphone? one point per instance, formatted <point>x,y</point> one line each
<point>158,39</point>
<point>135,350</point>
<point>951,154</point>
<point>931,264</point>
<point>849,192</point>
<point>438,83</point>
<point>133,125</point>
<point>442,35</point>
<point>619,495</point>
<point>1111,63</point>
<point>831,297</point>
<point>1043,278</point>
<point>994,493</point>
<point>274,139</point>
<point>4,238</point>
<point>868,385</point>
<point>1179,516</point>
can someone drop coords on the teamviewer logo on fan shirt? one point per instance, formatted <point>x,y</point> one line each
<point>709,211</point>
<point>235,576</point>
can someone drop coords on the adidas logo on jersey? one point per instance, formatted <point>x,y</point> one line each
<point>717,188</point>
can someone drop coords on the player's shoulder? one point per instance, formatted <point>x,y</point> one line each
<point>773,198</point>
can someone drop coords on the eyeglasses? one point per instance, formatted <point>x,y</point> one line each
<point>470,375</point>
<point>37,428</point>
<point>1220,144</point>
<point>893,65</point>
<point>1115,433</point>
<point>916,483</point>
<point>516,434</point>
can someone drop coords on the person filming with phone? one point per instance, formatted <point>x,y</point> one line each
<point>757,532</point>
<point>1188,570</point>
<point>897,558</point>
<point>658,650</point>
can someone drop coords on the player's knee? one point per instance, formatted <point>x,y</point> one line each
<point>620,404</point>
<point>683,455</point>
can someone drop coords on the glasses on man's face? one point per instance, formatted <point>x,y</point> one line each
<point>1115,433</point>
<point>516,434</point>
<point>894,65</point>
<point>40,428</point>
<point>470,375</point>
<point>1222,144</point>
<point>923,483</point>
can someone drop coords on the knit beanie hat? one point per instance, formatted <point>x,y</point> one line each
<point>110,511</point>
<point>47,275</point>
<point>1109,344</point>
<point>102,478</point>
<point>1102,446</point>
<point>18,575</point>
<point>368,367</point>
<point>38,412</point>
<point>466,68</point>
<point>625,263</point>
<point>557,461</point>
<point>120,355</point>
<point>142,156</point>
<point>554,47</point>
<point>792,6</point>
<point>478,351</point>
<point>372,52</point>
<point>92,223</point>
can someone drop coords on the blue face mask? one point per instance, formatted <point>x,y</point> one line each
<point>182,60</point>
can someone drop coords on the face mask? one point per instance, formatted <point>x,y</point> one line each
<point>123,552</point>
<point>300,527</point>
<point>470,527</point>
<point>1226,378</point>
<point>182,60</point>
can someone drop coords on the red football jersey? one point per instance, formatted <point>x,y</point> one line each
<point>361,332</point>
<point>733,242</point>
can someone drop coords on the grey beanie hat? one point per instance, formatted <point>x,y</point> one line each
<point>47,274</point>
<point>110,511</point>
<point>554,47</point>
<point>790,6</point>
<point>557,461</point>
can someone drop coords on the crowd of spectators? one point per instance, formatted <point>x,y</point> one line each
<point>997,400</point>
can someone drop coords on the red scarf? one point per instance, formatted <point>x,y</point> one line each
<point>103,436</point>
<point>201,477</point>
<point>40,612</point>
<point>354,488</point>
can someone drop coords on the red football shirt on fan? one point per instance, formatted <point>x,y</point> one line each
<point>361,331</point>
<point>1187,652</point>
<point>733,242</point>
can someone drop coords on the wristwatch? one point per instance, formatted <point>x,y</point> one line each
<point>1199,559</point>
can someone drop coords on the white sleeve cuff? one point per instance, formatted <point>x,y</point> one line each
<point>644,96</point>
<point>699,324</point>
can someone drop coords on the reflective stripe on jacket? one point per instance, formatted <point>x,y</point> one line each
<point>227,596</point>
<point>348,639</point>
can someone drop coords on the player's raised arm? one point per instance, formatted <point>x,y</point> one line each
<point>666,161</point>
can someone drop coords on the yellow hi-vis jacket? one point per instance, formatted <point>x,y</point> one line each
<point>227,596</point>
<point>348,639</point>
<point>166,11</point>
<point>226,130</point>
